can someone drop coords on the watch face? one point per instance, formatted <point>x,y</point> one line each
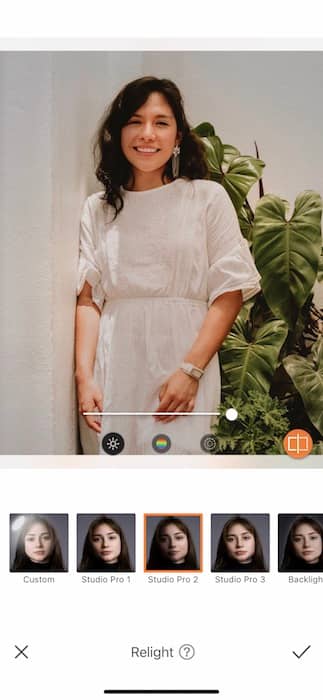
<point>195,373</point>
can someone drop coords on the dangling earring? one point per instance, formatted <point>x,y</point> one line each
<point>175,161</point>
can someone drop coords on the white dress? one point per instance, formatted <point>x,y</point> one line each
<point>154,271</point>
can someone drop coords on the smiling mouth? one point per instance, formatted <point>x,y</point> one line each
<point>140,149</point>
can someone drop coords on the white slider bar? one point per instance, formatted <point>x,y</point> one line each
<point>147,413</point>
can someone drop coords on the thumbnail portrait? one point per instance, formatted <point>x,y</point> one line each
<point>38,542</point>
<point>240,543</point>
<point>300,542</point>
<point>106,542</point>
<point>173,542</point>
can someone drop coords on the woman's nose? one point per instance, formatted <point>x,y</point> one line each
<point>148,130</point>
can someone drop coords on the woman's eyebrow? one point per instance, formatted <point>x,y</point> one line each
<point>157,116</point>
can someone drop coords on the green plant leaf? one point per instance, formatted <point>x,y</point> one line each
<point>307,376</point>
<point>243,172</point>
<point>287,252</point>
<point>320,270</point>
<point>259,428</point>
<point>229,152</point>
<point>245,217</point>
<point>235,172</point>
<point>204,129</point>
<point>249,357</point>
<point>317,448</point>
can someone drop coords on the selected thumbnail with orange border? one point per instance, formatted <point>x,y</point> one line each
<point>173,542</point>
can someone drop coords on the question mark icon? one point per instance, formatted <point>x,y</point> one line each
<point>186,651</point>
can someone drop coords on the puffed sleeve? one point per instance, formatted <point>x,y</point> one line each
<point>231,266</point>
<point>89,269</point>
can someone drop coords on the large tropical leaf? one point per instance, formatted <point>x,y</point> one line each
<point>320,270</point>
<point>248,357</point>
<point>246,218</point>
<point>307,376</point>
<point>235,172</point>
<point>243,172</point>
<point>287,251</point>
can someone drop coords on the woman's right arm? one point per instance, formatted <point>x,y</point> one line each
<point>89,394</point>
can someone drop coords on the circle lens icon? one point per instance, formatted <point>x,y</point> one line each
<point>113,443</point>
<point>208,443</point>
<point>161,443</point>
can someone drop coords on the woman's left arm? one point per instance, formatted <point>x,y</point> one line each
<point>179,391</point>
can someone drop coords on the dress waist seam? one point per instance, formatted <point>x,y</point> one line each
<point>187,300</point>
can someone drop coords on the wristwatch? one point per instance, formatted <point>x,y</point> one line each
<point>191,370</point>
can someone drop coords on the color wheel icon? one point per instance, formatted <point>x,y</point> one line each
<point>161,443</point>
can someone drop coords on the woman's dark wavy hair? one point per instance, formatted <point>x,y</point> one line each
<point>157,559</point>
<point>291,562</point>
<point>113,169</point>
<point>91,561</point>
<point>224,562</point>
<point>22,561</point>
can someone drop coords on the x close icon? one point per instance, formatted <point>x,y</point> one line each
<point>21,652</point>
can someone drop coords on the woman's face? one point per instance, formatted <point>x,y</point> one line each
<point>307,543</point>
<point>173,544</point>
<point>148,139</point>
<point>38,543</point>
<point>240,543</point>
<point>106,543</point>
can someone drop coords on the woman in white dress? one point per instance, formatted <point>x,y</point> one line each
<point>163,273</point>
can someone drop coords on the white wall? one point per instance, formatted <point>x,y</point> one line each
<point>50,106</point>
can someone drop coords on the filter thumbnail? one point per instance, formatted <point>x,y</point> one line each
<point>240,542</point>
<point>38,542</point>
<point>106,542</point>
<point>300,542</point>
<point>173,542</point>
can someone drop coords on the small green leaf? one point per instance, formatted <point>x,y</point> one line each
<point>204,129</point>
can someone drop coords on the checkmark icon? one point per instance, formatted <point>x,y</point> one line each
<point>299,656</point>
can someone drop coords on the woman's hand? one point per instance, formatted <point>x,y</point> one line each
<point>177,395</point>
<point>90,399</point>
